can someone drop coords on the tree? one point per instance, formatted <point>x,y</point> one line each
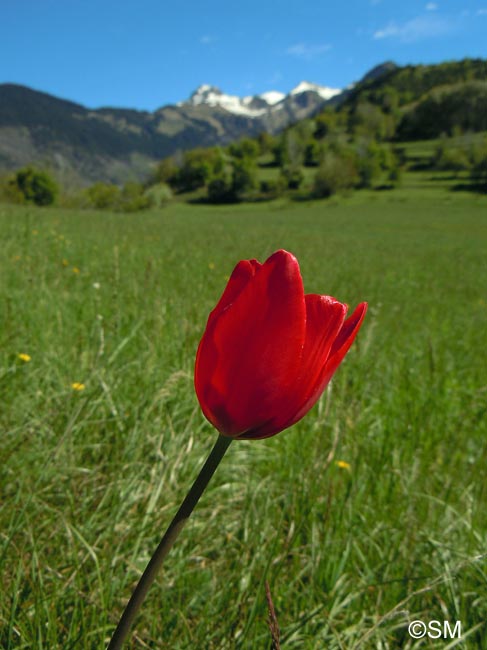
<point>35,186</point>
<point>244,176</point>
<point>368,163</point>
<point>166,171</point>
<point>292,176</point>
<point>336,173</point>
<point>311,153</point>
<point>266,142</point>
<point>368,120</point>
<point>133,198</point>
<point>246,148</point>
<point>451,158</point>
<point>103,196</point>
<point>198,168</point>
<point>220,189</point>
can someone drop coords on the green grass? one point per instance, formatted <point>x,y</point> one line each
<point>90,479</point>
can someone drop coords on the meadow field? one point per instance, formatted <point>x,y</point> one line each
<point>366,515</point>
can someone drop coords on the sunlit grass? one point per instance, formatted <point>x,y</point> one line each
<point>91,477</point>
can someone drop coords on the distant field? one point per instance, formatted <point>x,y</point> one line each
<point>90,478</point>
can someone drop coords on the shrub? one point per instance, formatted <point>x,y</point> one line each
<point>244,176</point>
<point>246,148</point>
<point>9,191</point>
<point>273,188</point>
<point>159,194</point>
<point>292,176</point>
<point>451,158</point>
<point>220,190</point>
<point>166,171</point>
<point>34,186</point>
<point>198,168</point>
<point>103,196</point>
<point>335,174</point>
<point>133,198</point>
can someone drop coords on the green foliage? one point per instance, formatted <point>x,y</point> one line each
<point>220,189</point>
<point>294,144</point>
<point>159,195</point>
<point>279,151</point>
<point>292,176</point>
<point>372,159</point>
<point>368,164</point>
<point>311,153</point>
<point>337,173</point>
<point>479,164</point>
<point>445,110</point>
<point>244,176</point>
<point>325,124</point>
<point>266,142</point>
<point>198,168</point>
<point>394,174</point>
<point>133,198</point>
<point>165,172</point>
<point>403,85</point>
<point>451,158</point>
<point>271,189</point>
<point>371,121</point>
<point>34,186</point>
<point>233,182</point>
<point>9,190</point>
<point>245,148</point>
<point>103,196</point>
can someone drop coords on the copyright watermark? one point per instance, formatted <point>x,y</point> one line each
<point>435,630</point>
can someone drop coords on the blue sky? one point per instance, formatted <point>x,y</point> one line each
<point>147,53</point>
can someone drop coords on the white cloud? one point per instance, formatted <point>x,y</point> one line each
<point>416,29</point>
<point>431,6</point>
<point>481,12</point>
<point>308,51</point>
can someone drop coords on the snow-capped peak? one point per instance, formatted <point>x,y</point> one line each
<point>323,91</point>
<point>205,94</point>
<point>253,105</point>
<point>212,96</point>
<point>272,97</point>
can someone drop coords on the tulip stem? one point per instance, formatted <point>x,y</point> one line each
<point>170,536</point>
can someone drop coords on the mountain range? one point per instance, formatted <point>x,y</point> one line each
<point>82,145</point>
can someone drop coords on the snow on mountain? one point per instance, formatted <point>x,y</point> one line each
<point>322,91</point>
<point>212,96</point>
<point>254,105</point>
<point>272,97</point>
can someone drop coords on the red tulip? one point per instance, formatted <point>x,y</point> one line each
<point>269,350</point>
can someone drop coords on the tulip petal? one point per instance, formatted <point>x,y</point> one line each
<point>250,354</point>
<point>339,349</point>
<point>324,319</point>
<point>343,341</point>
<point>241,275</point>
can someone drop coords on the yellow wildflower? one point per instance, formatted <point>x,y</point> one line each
<point>77,386</point>
<point>75,270</point>
<point>65,263</point>
<point>211,266</point>
<point>342,464</point>
<point>24,357</point>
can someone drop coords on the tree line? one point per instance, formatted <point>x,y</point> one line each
<point>350,146</point>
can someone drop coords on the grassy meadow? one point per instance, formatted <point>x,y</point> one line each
<point>89,479</point>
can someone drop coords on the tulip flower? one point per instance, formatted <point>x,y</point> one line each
<point>269,350</point>
<point>266,356</point>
